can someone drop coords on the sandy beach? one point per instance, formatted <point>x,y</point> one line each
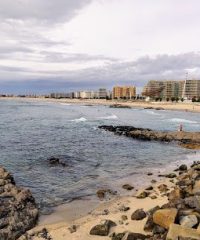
<point>180,106</point>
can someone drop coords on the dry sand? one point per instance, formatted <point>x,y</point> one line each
<point>67,215</point>
<point>180,106</point>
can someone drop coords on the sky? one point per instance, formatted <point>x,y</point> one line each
<point>66,45</point>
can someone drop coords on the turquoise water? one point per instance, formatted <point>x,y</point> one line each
<point>31,132</point>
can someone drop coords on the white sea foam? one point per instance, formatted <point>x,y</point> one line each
<point>152,112</point>
<point>82,119</point>
<point>66,104</point>
<point>109,117</point>
<point>182,120</point>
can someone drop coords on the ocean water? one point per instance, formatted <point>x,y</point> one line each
<point>31,132</point>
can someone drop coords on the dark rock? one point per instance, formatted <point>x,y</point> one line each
<point>128,187</point>
<point>183,167</point>
<point>139,214</point>
<point>158,230</point>
<point>192,202</point>
<point>118,236</point>
<point>124,208</point>
<point>142,195</point>
<point>149,188</point>
<point>103,228</point>
<point>101,193</point>
<point>53,161</point>
<point>171,175</point>
<point>18,209</point>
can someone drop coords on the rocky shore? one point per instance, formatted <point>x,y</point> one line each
<point>186,139</point>
<point>167,210</point>
<point>18,210</point>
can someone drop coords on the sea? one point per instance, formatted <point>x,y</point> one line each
<point>33,131</point>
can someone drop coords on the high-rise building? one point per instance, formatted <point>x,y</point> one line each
<point>102,93</point>
<point>191,89</point>
<point>124,92</point>
<point>163,89</point>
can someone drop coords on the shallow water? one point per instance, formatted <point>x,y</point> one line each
<point>31,132</point>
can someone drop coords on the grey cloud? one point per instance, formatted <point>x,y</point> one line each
<point>133,72</point>
<point>44,11</point>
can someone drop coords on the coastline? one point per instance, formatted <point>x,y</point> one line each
<point>188,107</point>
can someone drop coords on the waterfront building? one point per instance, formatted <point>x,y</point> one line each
<point>164,89</point>
<point>124,92</point>
<point>191,89</point>
<point>102,93</point>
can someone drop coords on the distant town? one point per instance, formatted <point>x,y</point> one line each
<point>154,90</point>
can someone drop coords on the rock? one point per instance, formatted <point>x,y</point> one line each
<point>103,228</point>
<point>196,188</point>
<point>128,187</point>
<point>118,236</point>
<point>171,175</point>
<point>176,194</point>
<point>158,230</point>
<point>124,217</point>
<point>139,214</point>
<point>163,188</point>
<point>18,209</point>
<point>149,188</point>
<point>179,232</point>
<point>149,174</point>
<point>153,181</point>
<point>101,193</point>
<point>142,195</point>
<point>192,202</point>
<point>134,236</point>
<point>165,217</point>
<point>73,228</point>
<point>153,197</point>
<point>188,221</point>
<point>149,225</point>
<point>53,161</point>
<point>183,167</point>
<point>123,208</point>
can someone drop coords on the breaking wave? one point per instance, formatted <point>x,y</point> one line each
<point>182,120</point>
<point>82,119</point>
<point>109,117</point>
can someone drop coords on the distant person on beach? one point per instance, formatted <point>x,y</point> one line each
<point>180,128</point>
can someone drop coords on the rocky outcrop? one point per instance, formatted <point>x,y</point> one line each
<point>187,139</point>
<point>18,210</point>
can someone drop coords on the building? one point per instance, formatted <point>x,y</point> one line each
<point>124,92</point>
<point>191,89</point>
<point>102,93</point>
<point>163,89</point>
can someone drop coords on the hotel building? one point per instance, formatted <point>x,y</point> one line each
<point>124,92</point>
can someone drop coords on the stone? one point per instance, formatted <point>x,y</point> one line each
<point>18,209</point>
<point>196,188</point>
<point>153,197</point>
<point>179,232</point>
<point>175,194</point>
<point>142,195</point>
<point>123,208</point>
<point>54,161</point>
<point>101,193</point>
<point>73,228</point>
<point>118,236</point>
<point>188,221</point>
<point>149,174</point>
<point>103,228</point>
<point>158,230</point>
<point>128,187</point>
<point>163,188</point>
<point>124,217</point>
<point>165,217</point>
<point>139,214</point>
<point>171,175</point>
<point>149,188</point>
<point>149,225</point>
<point>134,236</point>
<point>183,167</point>
<point>192,202</point>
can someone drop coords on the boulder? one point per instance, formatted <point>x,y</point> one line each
<point>163,188</point>
<point>183,167</point>
<point>165,217</point>
<point>118,236</point>
<point>179,232</point>
<point>188,221</point>
<point>139,214</point>
<point>103,228</point>
<point>193,202</point>
<point>128,187</point>
<point>142,195</point>
<point>171,175</point>
<point>18,209</point>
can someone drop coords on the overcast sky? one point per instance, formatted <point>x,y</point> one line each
<point>62,45</point>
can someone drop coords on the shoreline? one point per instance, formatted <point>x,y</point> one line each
<point>188,107</point>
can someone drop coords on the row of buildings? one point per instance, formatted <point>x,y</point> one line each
<point>165,90</point>
<point>188,89</point>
